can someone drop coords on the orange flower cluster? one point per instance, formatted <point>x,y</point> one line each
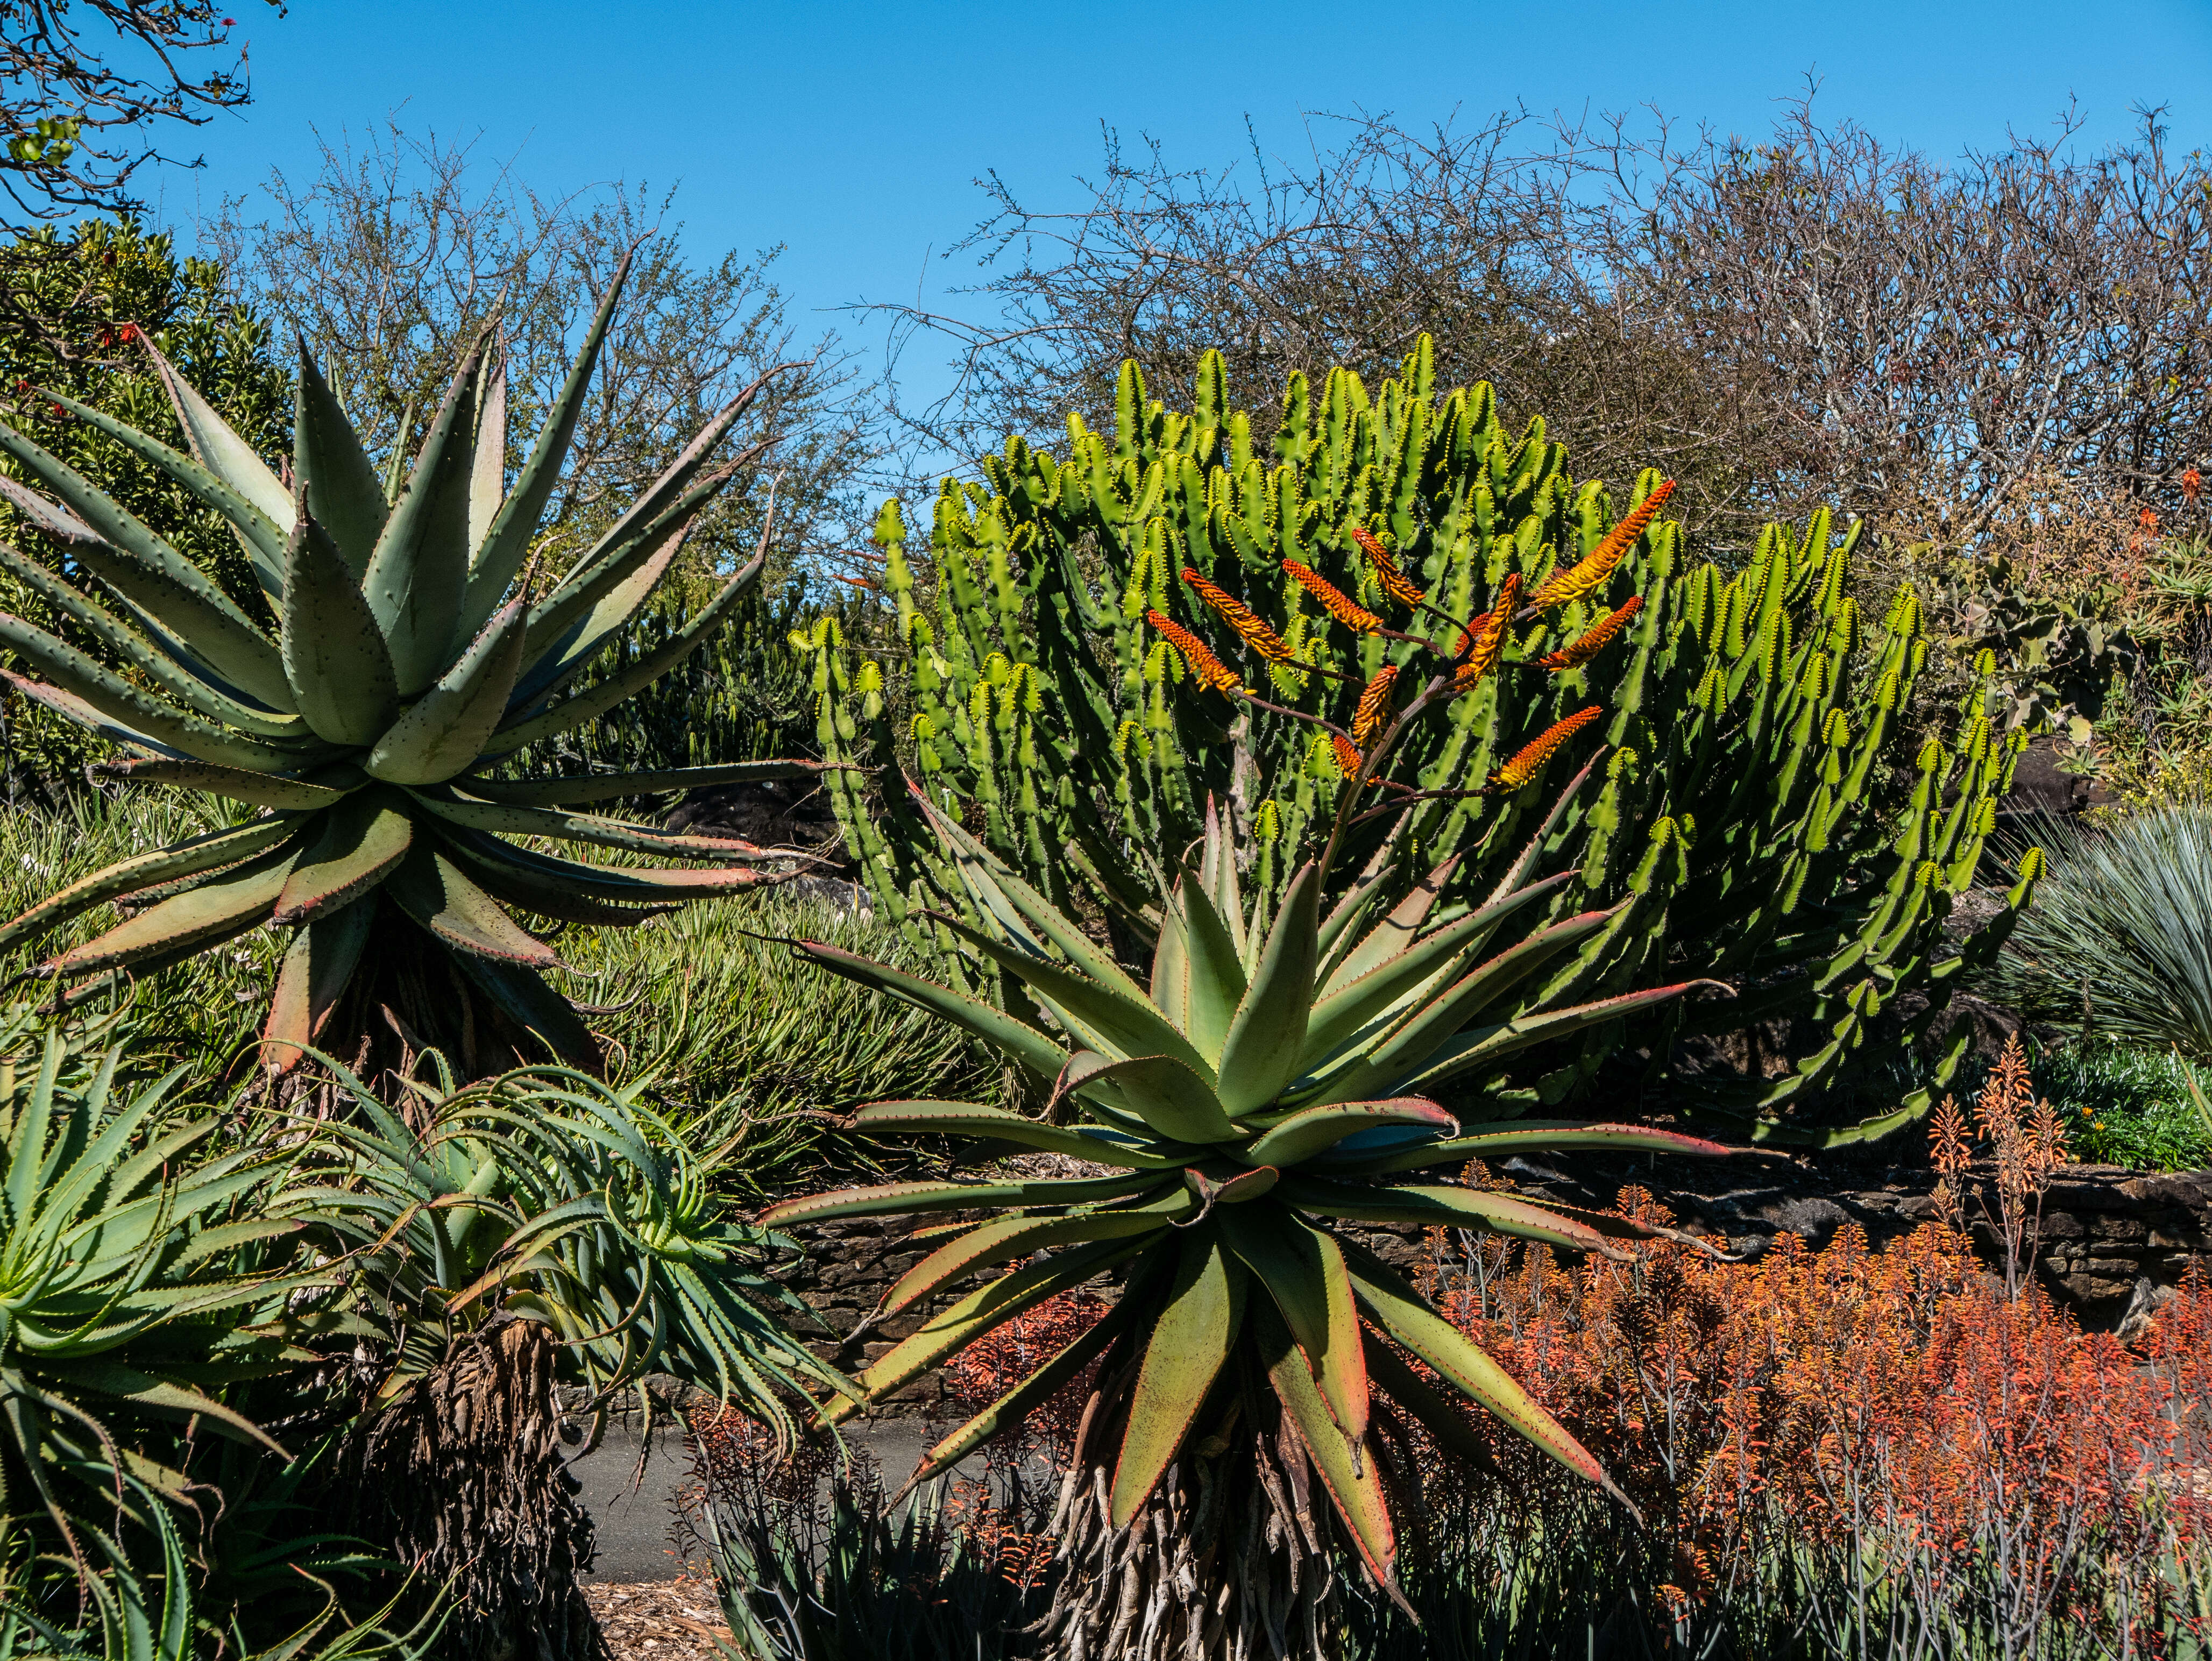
<point>1592,639</point>
<point>1590,572</point>
<point>1239,616</point>
<point>1481,645</point>
<point>1210,670</point>
<point>1334,601</point>
<point>1349,761</point>
<point>1402,588</point>
<point>1890,1413</point>
<point>1374,706</point>
<point>1533,755</point>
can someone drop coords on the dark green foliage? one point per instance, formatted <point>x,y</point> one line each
<point>2125,1105</point>
<point>1763,807</point>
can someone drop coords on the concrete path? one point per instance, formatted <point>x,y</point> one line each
<point>636,1521</point>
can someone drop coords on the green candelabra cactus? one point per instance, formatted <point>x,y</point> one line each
<point>1761,807</point>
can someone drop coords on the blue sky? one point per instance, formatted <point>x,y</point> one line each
<point>852,133</point>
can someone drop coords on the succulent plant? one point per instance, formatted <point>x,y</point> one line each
<point>415,645</point>
<point>1249,1100</point>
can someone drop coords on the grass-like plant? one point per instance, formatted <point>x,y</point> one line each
<point>2118,943</point>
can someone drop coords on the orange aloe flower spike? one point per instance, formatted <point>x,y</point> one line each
<point>1523,767</point>
<point>1339,604</point>
<point>1374,706</point>
<point>1401,587</point>
<point>1239,616</point>
<point>1349,761</point>
<point>1209,668</point>
<point>1592,639</point>
<point>1590,572</point>
<point>1482,642</point>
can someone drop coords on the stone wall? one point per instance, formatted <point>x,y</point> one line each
<point>2115,1242</point>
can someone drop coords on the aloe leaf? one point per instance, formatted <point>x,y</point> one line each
<point>146,571</point>
<point>588,706</point>
<point>417,574</point>
<point>636,884</point>
<point>1398,1310</point>
<point>1547,1136</point>
<point>1394,934</point>
<point>1261,1052</point>
<point>218,448</point>
<point>262,790</point>
<point>1169,986</point>
<point>138,710</point>
<point>1354,1486</point>
<point>892,1198</point>
<point>530,891</point>
<point>488,470</point>
<point>535,1008</point>
<point>241,899</point>
<point>210,852</point>
<point>1303,1270</point>
<point>1426,1030</point>
<point>1217,969</point>
<point>1185,1351</point>
<point>1004,1239</point>
<point>431,889</point>
<point>1111,1020</point>
<point>1313,1130</point>
<point>341,674</point>
<point>505,821</point>
<point>1016,1037</point>
<point>1356,1002</point>
<point>1439,1207</point>
<point>571,625</point>
<point>1525,861</point>
<point>257,534</point>
<point>499,556</point>
<point>445,733</point>
<point>1072,942</point>
<point>1218,878</point>
<point>1161,1090</point>
<point>328,466</point>
<point>576,790</point>
<point>1485,1045</point>
<point>967,1118</point>
<point>1442,1417</point>
<point>1017,1403</point>
<point>165,672</point>
<point>75,709</point>
<point>979,1311</point>
<point>316,965</point>
<point>664,493</point>
<point>359,843</point>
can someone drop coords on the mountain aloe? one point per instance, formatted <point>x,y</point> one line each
<point>1230,1116</point>
<point>417,642</point>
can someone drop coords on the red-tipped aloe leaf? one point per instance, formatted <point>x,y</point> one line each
<point>1302,1269</point>
<point>210,852</point>
<point>1161,1090</point>
<point>335,659</point>
<point>342,490</point>
<point>1024,1042</point>
<point>1355,1487</point>
<point>1004,1239</point>
<point>320,962</point>
<point>355,847</point>
<point>419,570</point>
<point>898,1197</point>
<point>430,889</point>
<point>446,731</point>
<point>241,899</point>
<point>1547,1136</point>
<point>1184,1353</point>
<point>1313,1130</point>
<point>968,1119</point>
<point>1437,1206</point>
<point>1261,1052</point>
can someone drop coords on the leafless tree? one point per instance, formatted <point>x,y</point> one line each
<point>399,251</point>
<point>2001,355</point>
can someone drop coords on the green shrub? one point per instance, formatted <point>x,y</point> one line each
<point>2125,1105</point>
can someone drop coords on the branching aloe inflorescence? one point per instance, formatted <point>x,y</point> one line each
<point>415,647</point>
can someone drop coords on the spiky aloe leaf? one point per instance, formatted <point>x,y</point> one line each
<point>1449,1208</point>
<point>341,674</point>
<point>886,1198</point>
<point>498,558</point>
<point>359,844</point>
<point>522,994</point>
<point>420,569</point>
<point>138,710</point>
<point>1185,1352</point>
<point>1303,1270</point>
<point>1098,1144</point>
<point>430,889</point>
<point>1024,1042</point>
<point>240,899</point>
<point>507,821</point>
<point>576,791</point>
<point>210,852</point>
<point>134,562</point>
<point>1303,1135</point>
<point>320,959</point>
<point>1010,1238</point>
<point>343,491</point>
<point>488,470</point>
<point>1261,1052</point>
<point>219,448</point>
<point>1161,1090</point>
<point>1352,1482</point>
<point>444,734</point>
<point>260,790</point>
